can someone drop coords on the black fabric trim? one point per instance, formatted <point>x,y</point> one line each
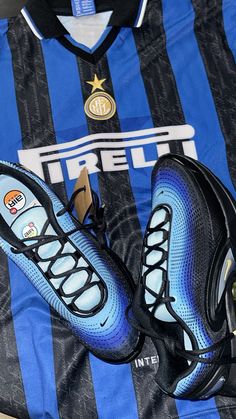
<point>98,53</point>
<point>44,14</point>
<point>63,7</point>
<point>220,67</point>
<point>125,13</point>
<point>72,369</point>
<point>45,19</point>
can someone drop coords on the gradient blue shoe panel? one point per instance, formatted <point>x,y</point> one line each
<point>188,256</point>
<point>88,287</point>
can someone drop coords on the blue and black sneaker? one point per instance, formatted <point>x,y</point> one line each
<point>74,273</point>
<point>184,298</point>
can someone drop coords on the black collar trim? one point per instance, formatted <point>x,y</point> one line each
<point>41,15</point>
<point>96,55</point>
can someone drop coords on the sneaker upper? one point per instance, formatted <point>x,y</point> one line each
<point>182,279</point>
<point>89,288</point>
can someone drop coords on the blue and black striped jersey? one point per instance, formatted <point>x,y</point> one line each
<point>162,78</point>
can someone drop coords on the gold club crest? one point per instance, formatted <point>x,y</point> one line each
<point>99,105</point>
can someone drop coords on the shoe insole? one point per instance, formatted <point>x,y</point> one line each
<point>154,278</point>
<point>26,217</point>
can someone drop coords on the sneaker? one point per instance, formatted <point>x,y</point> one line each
<point>88,287</point>
<point>188,267</point>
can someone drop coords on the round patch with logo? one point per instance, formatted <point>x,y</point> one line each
<point>29,231</point>
<point>100,106</point>
<point>14,200</point>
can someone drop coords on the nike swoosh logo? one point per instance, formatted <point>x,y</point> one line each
<point>103,324</point>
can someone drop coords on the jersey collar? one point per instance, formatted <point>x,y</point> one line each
<point>41,15</point>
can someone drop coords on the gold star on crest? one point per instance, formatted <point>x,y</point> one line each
<point>96,83</point>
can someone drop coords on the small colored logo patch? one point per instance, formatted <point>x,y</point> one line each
<point>29,231</point>
<point>14,200</point>
<point>100,106</point>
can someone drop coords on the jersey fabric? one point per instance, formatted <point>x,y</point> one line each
<point>161,79</point>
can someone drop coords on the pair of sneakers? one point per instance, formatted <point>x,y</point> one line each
<point>184,296</point>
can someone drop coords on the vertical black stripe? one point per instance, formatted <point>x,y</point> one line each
<point>157,73</point>
<point>12,397</point>
<point>73,376</point>
<point>221,70</point>
<point>32,95</point>
<point>123,227</point>
<point>165,109</point>
<point>226,407</point>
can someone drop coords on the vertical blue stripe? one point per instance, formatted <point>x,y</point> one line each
<point>31,314</point>
<point>134,114</point>
<point>3,27</point>
<point>113,387</point>
<point>10,132</point>
<point>194,89</point>
<point>65,91</point>
<point>205,409</point>
<point>200,112</point>
<point>67,103</point>
<point>229,16</point>
<point>114,390</point>
<point>65,96</point>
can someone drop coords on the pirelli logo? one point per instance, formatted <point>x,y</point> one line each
<point>107,152</point>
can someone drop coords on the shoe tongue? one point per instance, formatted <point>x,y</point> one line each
<point>29,223</point>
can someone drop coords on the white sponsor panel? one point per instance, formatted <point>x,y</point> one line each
<point>84,151</point>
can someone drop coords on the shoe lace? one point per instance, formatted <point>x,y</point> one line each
<point>97,224</point>
<point>160,297</point>
<point>190,355</point>
<point>174,347</point>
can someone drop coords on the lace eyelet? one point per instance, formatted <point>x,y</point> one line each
<point>60,213</point>
<point>13,250</point>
